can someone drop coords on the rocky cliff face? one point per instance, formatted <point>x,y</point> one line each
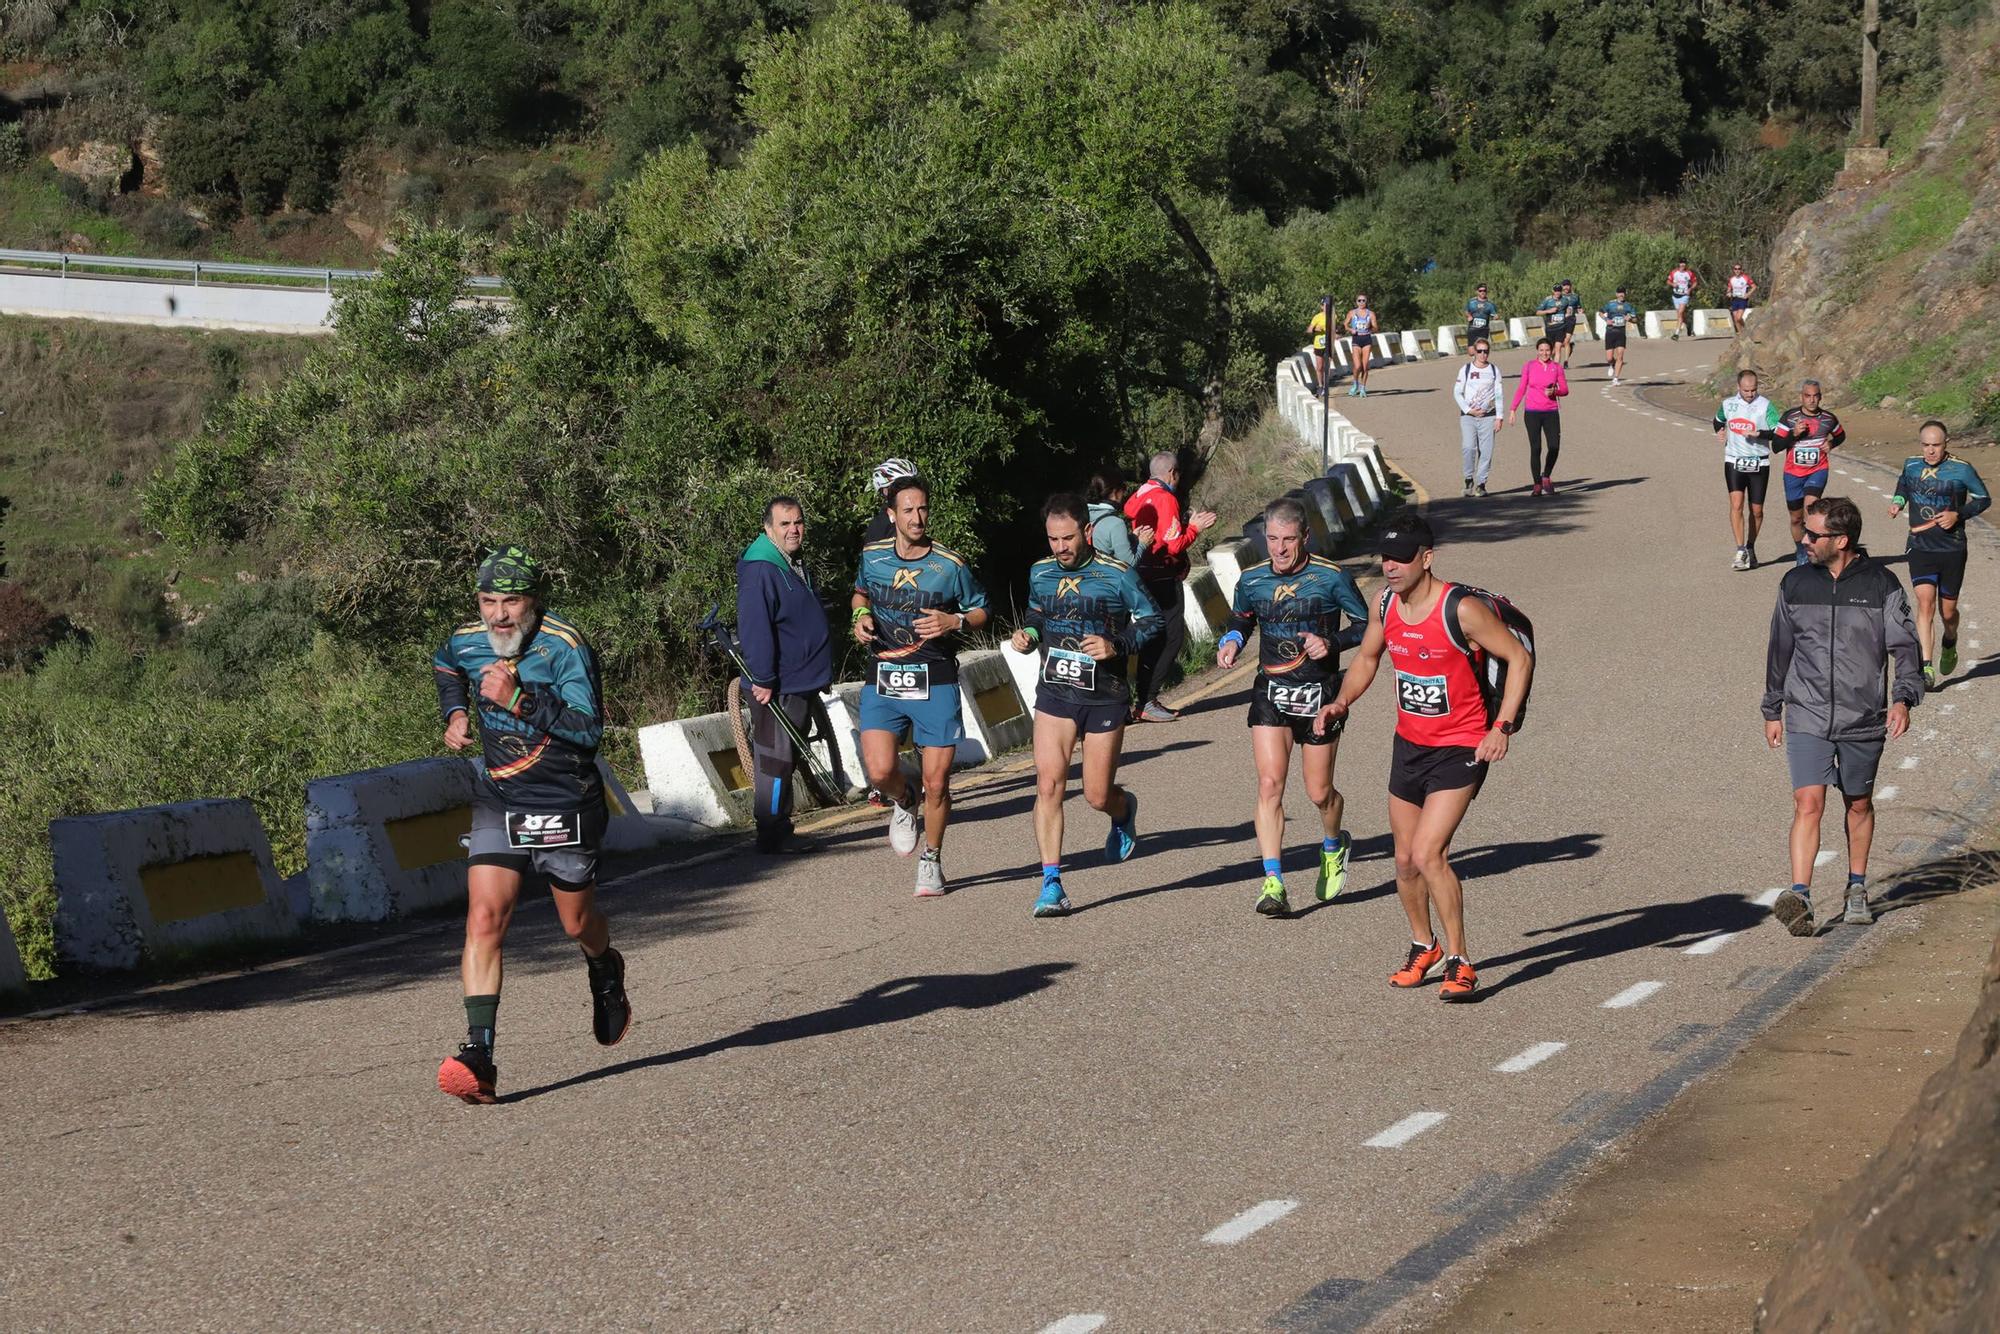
<point>1913,1242</point>
<point>1889,288</point>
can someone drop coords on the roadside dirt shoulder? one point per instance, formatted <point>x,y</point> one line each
<point>1686,1226</point>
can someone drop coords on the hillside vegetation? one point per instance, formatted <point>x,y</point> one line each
<point>1889,289</point>
<point>1010,241</point>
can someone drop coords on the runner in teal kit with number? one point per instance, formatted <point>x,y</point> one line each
<point>1087,612</point>
<point>912,598</point>
<point>1940,491</point>
<point>1295,602</point>
<point>1618,313</point>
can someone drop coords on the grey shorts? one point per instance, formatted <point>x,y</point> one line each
<point>1847,765</point>
<point>570,867</point>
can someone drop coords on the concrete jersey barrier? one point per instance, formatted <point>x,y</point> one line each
<point>133,885</point>
<point>384,843</point>
<point>217,306</point>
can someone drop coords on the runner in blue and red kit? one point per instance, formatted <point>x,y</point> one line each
<point>1808,434</point>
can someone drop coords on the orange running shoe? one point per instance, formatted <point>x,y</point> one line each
<point>1459,980</point>
<point>1422,959</point>
<point>469,1074</point>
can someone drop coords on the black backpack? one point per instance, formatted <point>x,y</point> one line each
<point>1489,671</point>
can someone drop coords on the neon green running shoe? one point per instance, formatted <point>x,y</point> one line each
<point>1333,870</point>
<point>1272,902</point>
<point>1947,660</point>
<point>1930,677</point>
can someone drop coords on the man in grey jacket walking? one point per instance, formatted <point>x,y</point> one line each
<point>1838,621</point>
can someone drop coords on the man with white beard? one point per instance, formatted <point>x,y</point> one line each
<point>540,806</point>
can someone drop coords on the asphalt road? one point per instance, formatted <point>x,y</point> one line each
<point>842,1108</point>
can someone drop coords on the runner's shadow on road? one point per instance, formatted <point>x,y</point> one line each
<point>1985,668</point>
<point>1601,935</point>
<point>1506,515</point>
<point>1472,863</point>
<point>890,1002</point>
<point>1243,869</point>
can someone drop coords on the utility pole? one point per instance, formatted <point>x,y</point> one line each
<point>1326,380</point>
<point>1871,28</point>
<point>1866,159</point>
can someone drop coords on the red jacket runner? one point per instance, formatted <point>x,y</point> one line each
<point>1153,504</point>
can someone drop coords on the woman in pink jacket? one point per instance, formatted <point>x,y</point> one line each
<point>1542,383</point>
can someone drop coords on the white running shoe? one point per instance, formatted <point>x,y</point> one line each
<point>930,875</point>
<point>1742,560</point>
<point>903,821</point>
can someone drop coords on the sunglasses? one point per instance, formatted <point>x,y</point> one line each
<point>1480,351</point>
<point>1812,536</point>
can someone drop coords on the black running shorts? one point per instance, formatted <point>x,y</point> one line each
<point>1088,715</point>
<point>1756,482</point>
<point>1263,713</point>
<point>1946,569</point>
<point>1415,771</point>
<point>1614,336</point>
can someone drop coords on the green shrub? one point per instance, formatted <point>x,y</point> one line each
<point>137,605</point>
<point>13,146</point>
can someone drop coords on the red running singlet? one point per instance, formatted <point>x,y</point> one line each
<point>1437,696</point>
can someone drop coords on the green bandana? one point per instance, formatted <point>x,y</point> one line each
<point>509,569</point>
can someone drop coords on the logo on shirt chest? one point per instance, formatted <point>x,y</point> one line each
<point>1065,587</point>
<point>905,578</point>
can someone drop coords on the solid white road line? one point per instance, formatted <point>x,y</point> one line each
<point>1256,1217</point>
<point>1075,1324</point>
<point>1909,762</point>
<point>1887,793</point>
<point>1632,995</point>
<point>1714,943</point>
<point>1825,857</point>
<point>1405,1130</point>
<point>1530,1058</point>
<point>1767,898</point>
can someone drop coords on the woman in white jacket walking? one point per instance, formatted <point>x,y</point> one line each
<point>1478,391</point>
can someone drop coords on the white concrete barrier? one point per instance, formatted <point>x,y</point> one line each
<point>384,843</point>
<point>1586,331</point>
<point>997,718</point>
<point>1715,324</point>
<point>291,310</point>
<point>1025,668</point>
<point>13,977</point>
<point>1418,344</point>
<point>1206,609</point>
<point>1661,323</point>
<point>134,885</point>
<point>1525,329</point>
<point>1451,339</point>
<point>694,773</point>
<point>1225,562</point>
<point>1385,346</point>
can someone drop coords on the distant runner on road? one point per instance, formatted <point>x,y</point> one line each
<point>1480,315</point>
<point>1745,424</point>
<point>1294,601</point>
<point>1322,353</point>
<point>540,805</point>
<point>1682,283</point>
<point>1618,315</point>
<point>1446,736</point>
<point>1741,285</point>
<point>1808,434</point>
<point>1086,611</point>
<point>1572,312</point>
<point>912,600</point>
<point>1360,324</point>
<point>1555,314</point>
<point>1941,491</point>
<point>1839,620</point>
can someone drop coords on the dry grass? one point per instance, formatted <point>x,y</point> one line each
<point>1248,473</point>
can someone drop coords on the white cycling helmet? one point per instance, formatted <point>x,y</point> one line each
<point>890,471</point>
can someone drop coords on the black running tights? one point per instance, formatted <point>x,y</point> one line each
<point>1540,425</point>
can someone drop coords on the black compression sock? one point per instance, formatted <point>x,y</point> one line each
<point>481,1013</point>
<point>1951,641</point>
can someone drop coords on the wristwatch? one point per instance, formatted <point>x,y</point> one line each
<point>1508,729</point>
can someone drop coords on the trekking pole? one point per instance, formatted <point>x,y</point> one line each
<point>724,641</point>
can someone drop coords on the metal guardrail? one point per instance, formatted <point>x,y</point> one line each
<point>65,261</point>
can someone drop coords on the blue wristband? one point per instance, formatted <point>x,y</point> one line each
<point>1231,635</point>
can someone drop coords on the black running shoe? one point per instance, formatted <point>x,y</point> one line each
<point>470,1074</point>
<point>611,1013</point>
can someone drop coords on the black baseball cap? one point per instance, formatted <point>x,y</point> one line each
<point>1403,539</point>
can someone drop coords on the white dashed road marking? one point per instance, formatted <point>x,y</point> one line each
<point>1405,1130</point>
<point>1714,943</point>
<point>1909,762</point>
<point>1887,793</point>
<point>1632,995</point>
<point>1075,1324</point>
<point>1253,1219</point>
<point>1530,1058</point>
<point>1825,857</point>
<point>1767,898</point>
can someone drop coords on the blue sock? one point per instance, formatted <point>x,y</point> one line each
<point>1051,871</point>
<point>1331,844</point>
<point>1801,890</point>
<point>1857,878</point>
<point>1272,867</point>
